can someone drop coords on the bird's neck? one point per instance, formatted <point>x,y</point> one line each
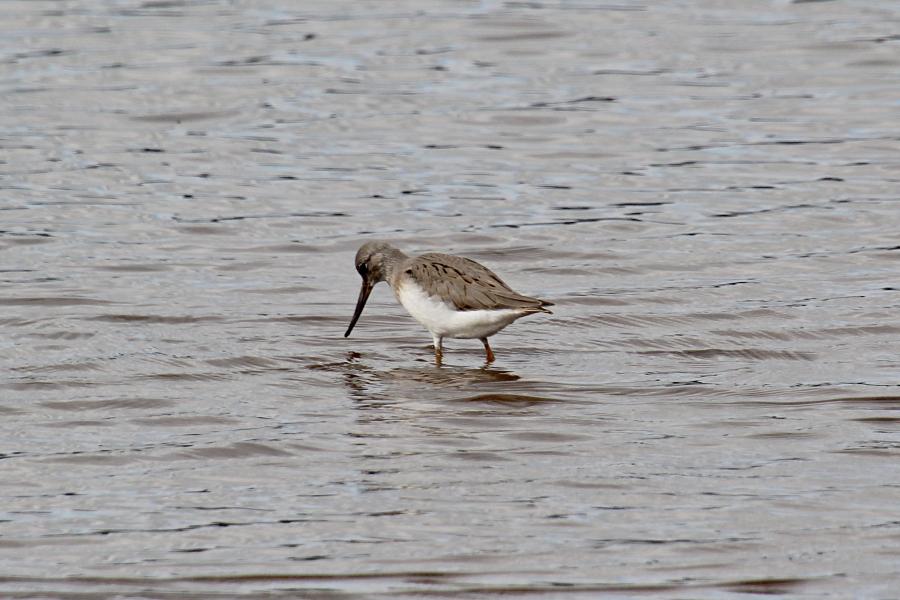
<point>393,258</point>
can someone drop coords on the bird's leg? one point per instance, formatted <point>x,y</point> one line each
<point>438,349</point>
<point>488,353</point>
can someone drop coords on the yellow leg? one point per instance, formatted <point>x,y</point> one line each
<point>488,353</point>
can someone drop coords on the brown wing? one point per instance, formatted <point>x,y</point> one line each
<point>467,285</point>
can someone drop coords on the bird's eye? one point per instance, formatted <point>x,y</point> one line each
<point>362,268</point>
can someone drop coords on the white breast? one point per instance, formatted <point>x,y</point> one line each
<point>443,320</point>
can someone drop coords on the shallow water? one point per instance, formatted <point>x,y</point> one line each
<point>707,190</point>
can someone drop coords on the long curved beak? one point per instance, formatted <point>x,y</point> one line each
<point>360,303</point>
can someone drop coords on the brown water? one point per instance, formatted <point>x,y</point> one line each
<point>708,190</point>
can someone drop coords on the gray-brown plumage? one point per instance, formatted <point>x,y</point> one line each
<point>466,284</point>
<point>450,295</point>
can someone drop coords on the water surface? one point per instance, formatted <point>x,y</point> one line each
<point>707,190</point>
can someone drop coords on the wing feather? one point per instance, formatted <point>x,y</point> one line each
<point>467,285</point>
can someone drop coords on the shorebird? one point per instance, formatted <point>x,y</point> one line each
<point>452,296</point>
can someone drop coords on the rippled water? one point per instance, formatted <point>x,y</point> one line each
<point>708,191</point>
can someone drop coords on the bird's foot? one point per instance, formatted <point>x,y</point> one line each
<point>488,353</point>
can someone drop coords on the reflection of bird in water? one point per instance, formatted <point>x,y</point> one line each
<point>453,378</point>
<point>373,388</point>
<point>452,296</point>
